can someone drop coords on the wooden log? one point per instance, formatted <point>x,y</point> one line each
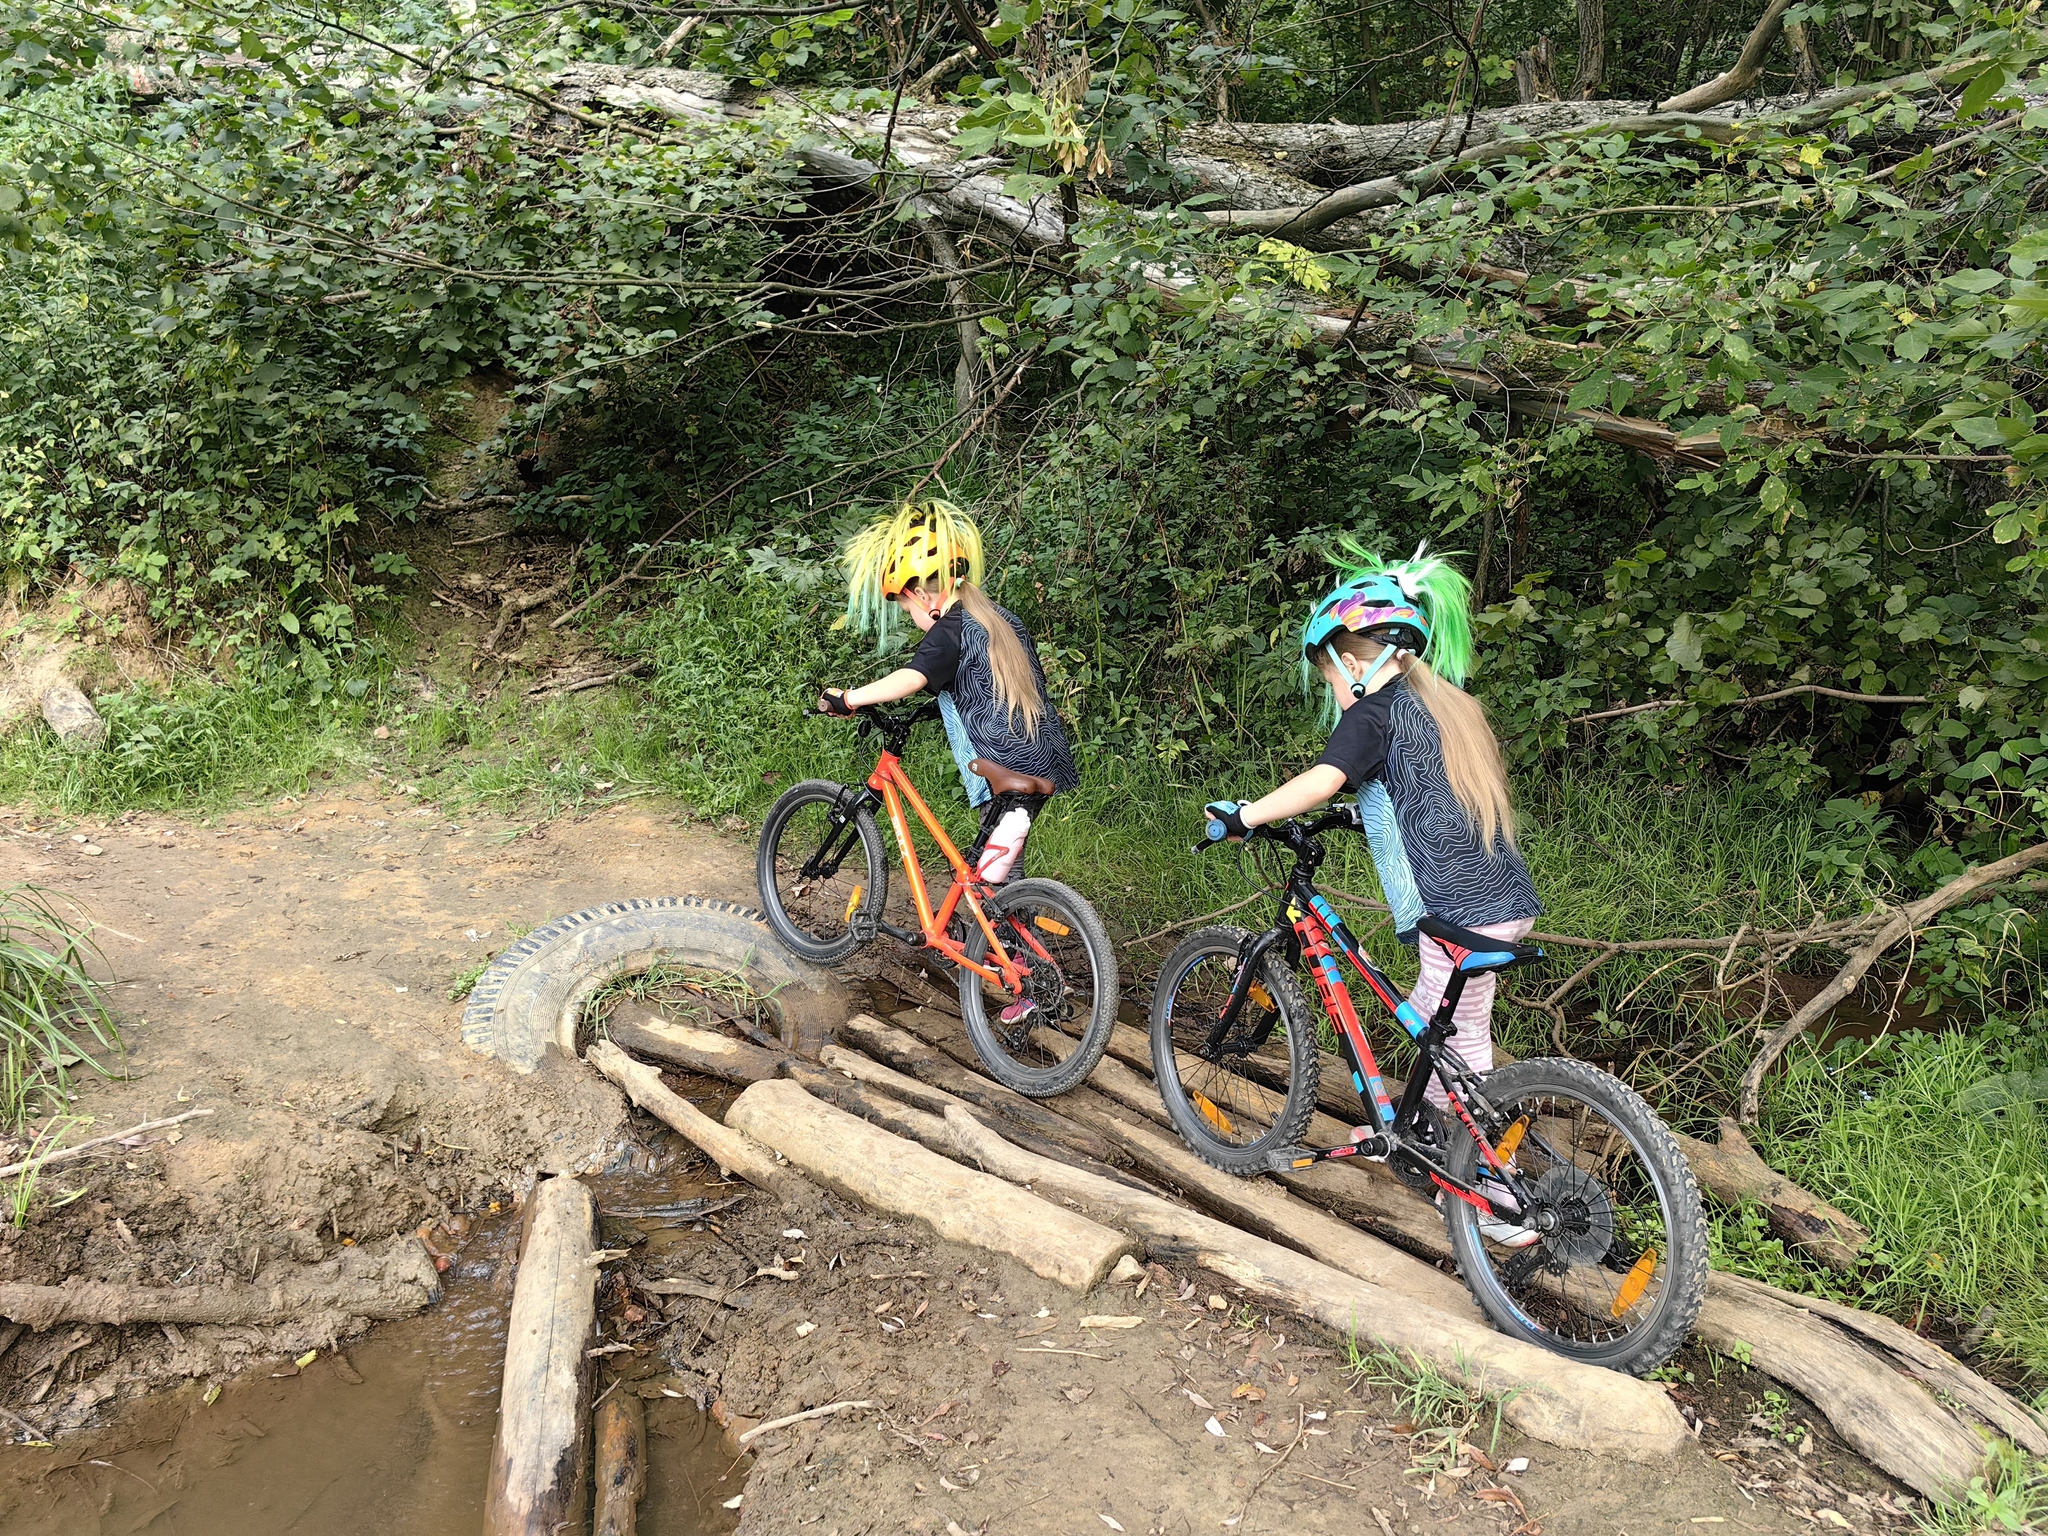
<point>1890,1419</point>
<point>540,1459</point>
<point>910,1053</point>
<point>1732,1172</point>
<point>644,1032</point>
<point>379,1281</point>
<point>1554,1399</point>
<point>888,1173</point>
<point>1259,1206</point>
<point>733,1152</point>
<point>1920,1358</point>
<point>933,1101</point>
<point>1363,1193</point>
<point>621,1464</point>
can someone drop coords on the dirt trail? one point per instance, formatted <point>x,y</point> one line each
<point>290,969</point>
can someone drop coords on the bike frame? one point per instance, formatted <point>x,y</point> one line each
<point>889,786</point>
<point>890,782</point>
<point>1312,930</point>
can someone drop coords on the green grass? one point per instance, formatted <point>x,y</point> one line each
<point>52,1013</point>
<point>2010,1496</point>
<point>1956,1202</point>
<point>1440,1407</point>
<point>198,747</point>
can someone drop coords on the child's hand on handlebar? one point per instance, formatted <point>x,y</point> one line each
<point>833,702</point>
<point>1226,820</point>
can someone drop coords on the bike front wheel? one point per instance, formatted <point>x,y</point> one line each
<point>1049,1039</point>
<point>822,869</point>
<point>1609,1263</point>
<point>1240,1100</point>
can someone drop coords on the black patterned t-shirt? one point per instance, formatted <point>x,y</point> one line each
<point>1391,736</point>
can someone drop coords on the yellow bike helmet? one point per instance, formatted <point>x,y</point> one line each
<point>930,543</point>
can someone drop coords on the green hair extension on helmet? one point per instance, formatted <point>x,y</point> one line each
<point>871,553</point>
<point>1430,582</point>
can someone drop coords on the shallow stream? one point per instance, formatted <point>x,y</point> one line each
<point>391,1437</point>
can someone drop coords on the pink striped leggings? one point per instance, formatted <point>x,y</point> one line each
<point>1473,1036</point>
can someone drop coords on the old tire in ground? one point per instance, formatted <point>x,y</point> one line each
<point>534,993</point>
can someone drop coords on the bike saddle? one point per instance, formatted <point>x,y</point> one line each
<point>1475,954</point>
<point>1005,781</point>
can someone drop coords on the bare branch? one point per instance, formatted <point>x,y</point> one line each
<point>1747,69</point>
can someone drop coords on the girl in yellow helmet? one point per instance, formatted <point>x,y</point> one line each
<point>924,560</point>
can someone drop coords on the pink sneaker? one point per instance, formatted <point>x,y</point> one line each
<point>1019,1011</point>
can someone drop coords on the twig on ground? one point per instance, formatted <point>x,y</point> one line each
<point>84,1147</point>
<point>596,680</point>
<point>830,1410</point>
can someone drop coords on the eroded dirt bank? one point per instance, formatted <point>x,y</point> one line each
<point>288,968</point>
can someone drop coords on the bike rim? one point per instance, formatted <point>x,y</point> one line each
<point>821,903</point>
<point>1061,988</point>
<point>1601,1273</point>
<point>1241,1097</point>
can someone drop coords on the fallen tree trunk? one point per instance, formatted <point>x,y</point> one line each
<point>1889,1417</point>
<point>1731,1172</point>
<point>732,1152</point>
<point>1554,1399</point>
<point>888,1173</point>
<point>377,1281</point>
<point>910,1054</point>
<point>644,1032</point>
<point>621,1464</point>
<point>540,1459</point>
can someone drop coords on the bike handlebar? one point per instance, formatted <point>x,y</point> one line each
<point>1294,832</point>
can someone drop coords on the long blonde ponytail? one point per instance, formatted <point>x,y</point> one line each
<point>1472,760</point>
<point>1015,678</point>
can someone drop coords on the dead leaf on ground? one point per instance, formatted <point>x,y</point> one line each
<point>1244,1391</point>
<point>1111,1322</point>
<point>1078,1394</point>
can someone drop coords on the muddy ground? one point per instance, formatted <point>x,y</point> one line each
<point>289,969</point>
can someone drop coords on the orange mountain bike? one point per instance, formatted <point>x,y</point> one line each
<point>1028,953</point>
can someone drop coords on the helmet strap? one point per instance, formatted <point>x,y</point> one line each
<point>1363,685</point>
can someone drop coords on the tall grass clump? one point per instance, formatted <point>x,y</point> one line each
<point>50,1005</point>
<point>200,744</point>
<point>1952,1183</point>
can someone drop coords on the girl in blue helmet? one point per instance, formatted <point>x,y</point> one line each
<point>1393,644</point>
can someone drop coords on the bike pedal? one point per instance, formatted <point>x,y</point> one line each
<point>864,927</point>
<point>1287,1159</point>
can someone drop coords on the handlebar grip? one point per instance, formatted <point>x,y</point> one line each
<point>1216,831</point>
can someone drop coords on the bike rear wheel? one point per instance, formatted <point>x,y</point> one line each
<point>1071,989</point>
<point>1239,1102</point>
<point>821,867</point>
<point>1618,1278</point>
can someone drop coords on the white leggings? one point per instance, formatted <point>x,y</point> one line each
<point>1472,1037</point>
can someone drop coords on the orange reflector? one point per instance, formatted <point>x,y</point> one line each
<point>1634,1283</point>
<point>1512,1140</point>
<point>1261,996</point>
<point>853,901</point>
<point>1304,1162</point>
<point>1212,1114</point>
<point>1051,926</point>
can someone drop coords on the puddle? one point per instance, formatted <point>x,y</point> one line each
<point>402,1452</point>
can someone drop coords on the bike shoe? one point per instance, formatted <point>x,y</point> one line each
<point>1019,1011</point>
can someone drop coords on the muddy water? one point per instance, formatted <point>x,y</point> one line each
<point>401,1451</point>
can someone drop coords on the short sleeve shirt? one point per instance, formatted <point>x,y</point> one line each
<point>938,654</point>
<point>1358,747</point>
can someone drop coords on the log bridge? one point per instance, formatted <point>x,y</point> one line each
<point>897,1115</point>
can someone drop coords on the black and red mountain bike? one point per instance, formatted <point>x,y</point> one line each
<point>1573,1217</point>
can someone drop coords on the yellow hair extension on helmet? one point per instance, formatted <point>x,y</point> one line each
<point>930,543</point>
